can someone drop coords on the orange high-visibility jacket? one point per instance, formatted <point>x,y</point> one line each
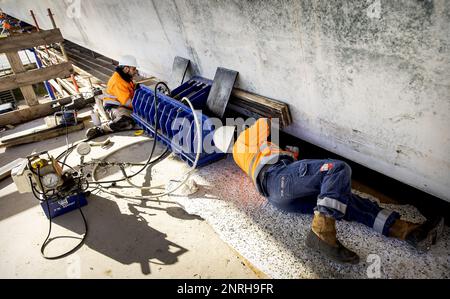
<point>6,25</point>
<point>252,151</point>
<point>119,91</point>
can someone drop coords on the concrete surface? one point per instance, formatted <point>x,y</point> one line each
<point>368,80</point>
<point>127,239</point>
<point>273,240</point>
<point>131,238</point>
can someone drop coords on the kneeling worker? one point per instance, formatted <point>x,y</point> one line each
<point>117,99</point>
<point>322,187</point>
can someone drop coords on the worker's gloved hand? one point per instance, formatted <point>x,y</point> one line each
<point>294,150</point>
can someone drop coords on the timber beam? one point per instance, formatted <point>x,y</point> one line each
<point>25,41</point>
<point>61,70</point>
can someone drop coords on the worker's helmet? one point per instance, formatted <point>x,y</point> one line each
<point>223,138</point>
<point>128,60</point>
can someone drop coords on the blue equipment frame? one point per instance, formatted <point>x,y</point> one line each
<point>170,109</point>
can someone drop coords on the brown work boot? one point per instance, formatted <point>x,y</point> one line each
<point>401,228</point>
<point>322,238</point>
<point>420,236</point>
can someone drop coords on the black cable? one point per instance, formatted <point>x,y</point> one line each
<point>47,239</point>
<point>87,186</point>
<point>153,163</point>
<point>67,165</point>
<point>68,151</point>
<point>34,190</point>
<point>67,139</point>
<point>154,141</point>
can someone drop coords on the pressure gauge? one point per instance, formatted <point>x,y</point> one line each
<point>50,180</point>
<point>83,149</point>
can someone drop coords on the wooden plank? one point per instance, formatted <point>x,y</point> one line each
<point>151,82</point>
<point>24,114</point>
<point>18,68</point>
<point>61,70</point>
<point>15,62</point>
<point>244,111</point>
<point>251,98</point>
<point>96,77</point>
<point>45,108</point>
<point>77,69</point>
<point>58,88</point>
<point>38,135</point>
<point>250,105</point>
<point>108,67</point>
<point>68,87</point>
<point>29,95</point>
<point>5,171</point>
<point>29,40</point>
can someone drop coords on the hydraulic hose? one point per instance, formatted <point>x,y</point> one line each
<point>154,143</point>
<point>187,175</point>
<point>149,161</point>
<point>47,239</point>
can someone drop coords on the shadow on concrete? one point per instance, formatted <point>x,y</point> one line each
<point>125,238</point>
<point>12,203</point>
<point>180,213</point>
<point>139,155</point>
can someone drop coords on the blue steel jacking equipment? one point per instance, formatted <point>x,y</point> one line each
<point>176,126</point>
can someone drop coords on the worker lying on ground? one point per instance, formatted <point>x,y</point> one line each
<point>322,187</point>
<point>117,99</point>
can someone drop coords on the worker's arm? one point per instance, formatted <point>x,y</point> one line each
<point>250,140</point>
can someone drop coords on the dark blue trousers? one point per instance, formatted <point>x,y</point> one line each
<point>323,185</point>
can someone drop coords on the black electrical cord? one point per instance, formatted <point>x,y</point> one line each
<point>154,162</point>
<point>36,193</point>
<point>154,142</point>
<point>65,154</point>
<point>47,239</point>
<point>67,138</point>
<point>67,165</point>
<point>69,150</point>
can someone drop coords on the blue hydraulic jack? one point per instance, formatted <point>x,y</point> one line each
<point>176,126</point>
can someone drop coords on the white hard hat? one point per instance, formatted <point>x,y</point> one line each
<point>128,60</point>
<point>223,138</point>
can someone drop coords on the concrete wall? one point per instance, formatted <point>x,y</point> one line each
<point>369,80</point>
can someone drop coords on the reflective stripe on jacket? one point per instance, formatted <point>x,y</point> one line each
<point>252,151</point>
<point>119,91</point>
